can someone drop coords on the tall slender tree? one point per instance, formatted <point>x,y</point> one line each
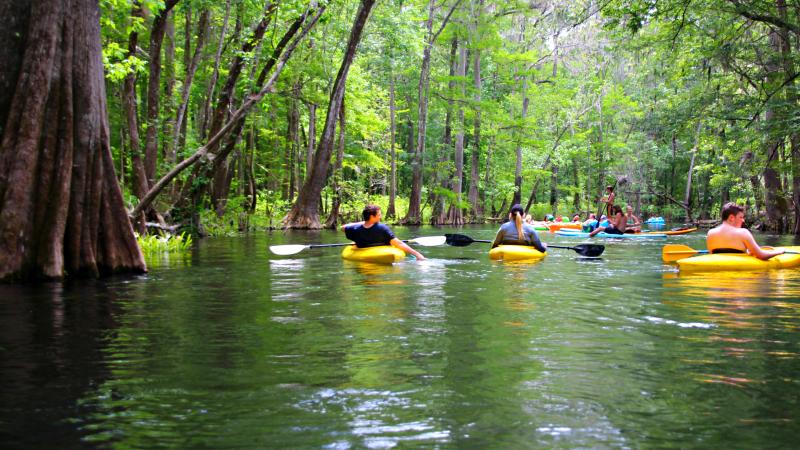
<point>305,211</point>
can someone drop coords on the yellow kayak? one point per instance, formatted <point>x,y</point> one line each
<point>739,262</point>
<point>515,253</point>
<point>382,254</point>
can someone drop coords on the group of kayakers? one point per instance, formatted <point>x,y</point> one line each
<point>728,237</point>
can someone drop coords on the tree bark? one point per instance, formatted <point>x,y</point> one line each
<point>61,208</point>
<point>305,211</point>
<point>333,217</point>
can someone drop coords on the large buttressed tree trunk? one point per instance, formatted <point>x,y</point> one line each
<point>61,208</point>
<point>305,212</point>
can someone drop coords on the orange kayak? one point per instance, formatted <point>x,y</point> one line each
<point>559,225</point>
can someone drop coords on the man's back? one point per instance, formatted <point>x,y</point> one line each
<point>727,237</point>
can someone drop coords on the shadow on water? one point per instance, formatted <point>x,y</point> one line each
<point>51,341</point>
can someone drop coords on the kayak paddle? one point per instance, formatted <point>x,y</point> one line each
<point>674,252</point>
<point>425,241</point>
<point>592,250</point>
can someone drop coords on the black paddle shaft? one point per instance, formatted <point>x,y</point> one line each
<point>584,249</point>
<point>460,240</point>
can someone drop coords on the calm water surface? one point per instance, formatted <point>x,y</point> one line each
<point>232,347</point>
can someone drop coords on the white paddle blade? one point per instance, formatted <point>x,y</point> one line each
<point>287,249</point>
<point>429,241</point>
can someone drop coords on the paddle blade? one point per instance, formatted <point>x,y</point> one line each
<point>590,250</point>
<point>458,240</point>
<point>674,252</point>
<point>429,241</point>
<point>287,249</point>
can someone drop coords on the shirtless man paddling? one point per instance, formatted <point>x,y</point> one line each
<point>730,237</point>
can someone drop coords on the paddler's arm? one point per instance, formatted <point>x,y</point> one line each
<point>756,250</point>
<point>542,247</point>
<point>404,247</point>
<point>352,223</point>
<point>498,238</point>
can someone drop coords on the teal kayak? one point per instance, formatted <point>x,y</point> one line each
<point>580,234</point>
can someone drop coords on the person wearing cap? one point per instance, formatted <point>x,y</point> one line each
<point>516,232</point>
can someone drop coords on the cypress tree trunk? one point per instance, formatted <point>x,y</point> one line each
<point>61,208</point>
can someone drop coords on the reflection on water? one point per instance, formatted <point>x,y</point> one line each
<point>243,349</point>
<point>734,284</point>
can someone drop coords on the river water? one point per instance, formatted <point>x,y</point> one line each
<point>232,347</point>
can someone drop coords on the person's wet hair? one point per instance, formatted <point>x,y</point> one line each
<point>369,211</point>
<point>730,209</point>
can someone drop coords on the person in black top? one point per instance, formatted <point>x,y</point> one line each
<point>371,232</point>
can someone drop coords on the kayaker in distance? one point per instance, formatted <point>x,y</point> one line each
<point>634,225</point>
<point>590,224</point>
<point>510,232</point>
<point>730,237</point>
<point>616,223</point>
<point>371,232</point>
<point>609,200</point>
